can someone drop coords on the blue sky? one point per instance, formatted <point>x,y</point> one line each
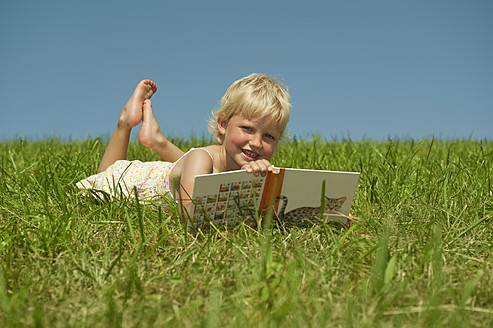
<point>363,69</point>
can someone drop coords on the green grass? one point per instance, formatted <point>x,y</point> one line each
<point>418,255</point>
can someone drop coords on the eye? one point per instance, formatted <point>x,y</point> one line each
<point>269,136</point>
<point>247,129</point>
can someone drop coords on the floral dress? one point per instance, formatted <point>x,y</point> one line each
<point>150,180</point>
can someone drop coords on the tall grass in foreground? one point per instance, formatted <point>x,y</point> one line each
<point>418,255</point>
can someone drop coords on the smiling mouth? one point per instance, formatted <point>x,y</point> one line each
<point>250,155</point>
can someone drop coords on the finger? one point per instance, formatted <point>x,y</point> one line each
<point>258,167</point>
<point>252,167</point>
<point>255,168</point>
<point>268,165</point>
<point>247,167</point>
<point>263,167</point>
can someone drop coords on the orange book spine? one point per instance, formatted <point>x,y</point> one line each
<point>272,190</point>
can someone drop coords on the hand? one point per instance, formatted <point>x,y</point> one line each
<point>261,166</point>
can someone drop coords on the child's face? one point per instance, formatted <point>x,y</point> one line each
<point>247,140</point>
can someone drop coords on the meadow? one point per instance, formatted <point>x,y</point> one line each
<point>419,254</point>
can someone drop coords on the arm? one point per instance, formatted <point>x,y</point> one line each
<point>195,163</point>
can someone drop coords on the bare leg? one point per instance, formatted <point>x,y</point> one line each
<point>150,136</point>
<point>131,116</point>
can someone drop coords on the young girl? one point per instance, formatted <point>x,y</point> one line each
<point>248,126</point>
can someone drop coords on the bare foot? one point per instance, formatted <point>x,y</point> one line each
<point>150,134</point>
<point>132,112</point>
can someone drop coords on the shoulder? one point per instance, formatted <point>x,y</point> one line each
<point>198,159</point>
<point>200,153</point>
<point>209,150</point>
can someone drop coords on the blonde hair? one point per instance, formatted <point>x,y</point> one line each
<point>254,96</point>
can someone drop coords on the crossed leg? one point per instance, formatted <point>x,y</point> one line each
<point>150,136</point>
<point>139,108</point>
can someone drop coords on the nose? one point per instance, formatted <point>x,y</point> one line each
<point>256,141</point>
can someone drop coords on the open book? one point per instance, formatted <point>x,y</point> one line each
<point>294,196</point>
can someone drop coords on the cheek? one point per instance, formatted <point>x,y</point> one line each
<point>237,138</point>
<point>269,150</point>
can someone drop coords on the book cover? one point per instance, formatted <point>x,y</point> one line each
<point>294,196</point>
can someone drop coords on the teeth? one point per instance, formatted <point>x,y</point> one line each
<point>250,153</point>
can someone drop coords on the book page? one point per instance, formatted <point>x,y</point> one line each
<point>226,198</point>
<point>303,190</point>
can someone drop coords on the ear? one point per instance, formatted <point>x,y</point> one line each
<point>342,200</point>
<point>222,124</point>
